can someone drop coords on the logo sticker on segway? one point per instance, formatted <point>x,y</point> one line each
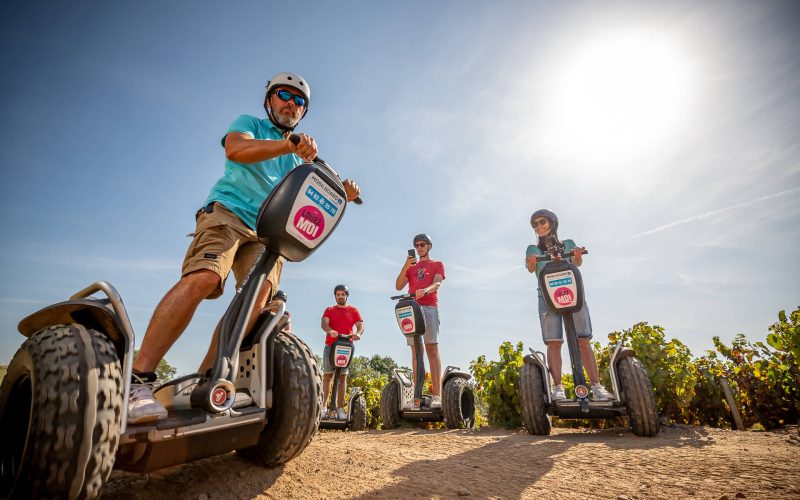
<point>342,356</point>
<point>405,319</point>
<point>561,288</point>
<point>309,222</point>
<point>315,211</point>
<point>219,396</point>
<point>564,296</point>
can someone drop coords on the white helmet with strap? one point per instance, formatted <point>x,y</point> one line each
<point>292,80</point>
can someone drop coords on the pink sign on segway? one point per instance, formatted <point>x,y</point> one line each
<point>309,222</point>
<point>564,296</point>
<point>407,325</point>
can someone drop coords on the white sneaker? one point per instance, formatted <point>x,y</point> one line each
<point>599,393</point>
<point>340,414</point>
<point>558,393</point>
<point>142,405</point>
<point>436,402</point>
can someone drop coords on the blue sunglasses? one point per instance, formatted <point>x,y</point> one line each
<point>285,95</point>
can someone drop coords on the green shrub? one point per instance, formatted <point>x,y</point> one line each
<point>764,377</point>
<point>497,385</point>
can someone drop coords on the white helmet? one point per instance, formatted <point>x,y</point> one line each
<point>292,80</point>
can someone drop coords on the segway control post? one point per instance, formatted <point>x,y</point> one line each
<point>411,320</point>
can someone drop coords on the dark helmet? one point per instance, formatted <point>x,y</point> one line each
<point>292,80</point>
<point>279,295</point>
<point>549,215</point>
<point>342,288</point>
<point>423,237</point>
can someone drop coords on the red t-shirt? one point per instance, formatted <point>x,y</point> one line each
<point>420,275</point>
<point>342,320</point>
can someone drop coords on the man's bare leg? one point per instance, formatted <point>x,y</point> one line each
<point>554,360</point>
<point>589,360</point>
<point>172,316</point>
<point>261,301</point>
<point>436,368</point>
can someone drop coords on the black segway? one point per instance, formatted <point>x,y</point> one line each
<point>64,400</point>
<point>562,286</point>
<point>403,399</point>
<point>341,354</point>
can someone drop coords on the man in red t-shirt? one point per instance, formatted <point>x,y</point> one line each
<point>424,277</point>
<point>335,320</point>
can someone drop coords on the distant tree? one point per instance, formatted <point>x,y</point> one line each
<point>164,370</point>
<point>382,364</point>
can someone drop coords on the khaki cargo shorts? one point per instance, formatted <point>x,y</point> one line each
<point>221,243</point>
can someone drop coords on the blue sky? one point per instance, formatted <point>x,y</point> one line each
<point>664,136</point>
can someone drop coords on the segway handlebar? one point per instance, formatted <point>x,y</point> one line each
<point>295,139</point>
<point>563,255</point>
<point>405,296</point>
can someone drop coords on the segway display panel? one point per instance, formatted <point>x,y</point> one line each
<point>341,352</point>
<point>303,211</point>
<point>410,318</point>
<point>562,286</point>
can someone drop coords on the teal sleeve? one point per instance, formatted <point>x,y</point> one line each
<point>243,123</point>
<point>534,250</point>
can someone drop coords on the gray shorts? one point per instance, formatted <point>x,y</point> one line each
<point>552,323</point>
<point>431,326</point>
<point>327,367</point>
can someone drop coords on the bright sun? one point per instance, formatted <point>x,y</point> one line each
<point>617,99</point>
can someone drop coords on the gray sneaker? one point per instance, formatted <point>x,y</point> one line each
<point>599,393</point>
<point>558,393</point>
<point>142,405</point>
<point>436,402</point>
<point>241,400</point>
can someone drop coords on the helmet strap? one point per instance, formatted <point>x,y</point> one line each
<point>286,130</point>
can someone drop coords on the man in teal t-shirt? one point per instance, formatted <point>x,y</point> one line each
<point>258,155</point>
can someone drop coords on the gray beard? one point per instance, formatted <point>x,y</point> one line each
<point>284,121</point>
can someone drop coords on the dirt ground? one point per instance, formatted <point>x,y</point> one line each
<point>680,462</point>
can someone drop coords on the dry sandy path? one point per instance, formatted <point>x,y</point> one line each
<point>681,462</point>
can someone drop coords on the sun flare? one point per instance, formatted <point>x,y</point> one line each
<point>617,98</point>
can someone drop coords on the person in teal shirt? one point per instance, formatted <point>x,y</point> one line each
<point>258,156</point>
<point>545,223</point>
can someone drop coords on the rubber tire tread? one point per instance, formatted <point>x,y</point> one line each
<point>71,449</point>
<point>390,405</point>
<point>453,413</point>
<point>532,399</point>
<point>637,393</point>
<point>297,399</point>
<point>359,415</point>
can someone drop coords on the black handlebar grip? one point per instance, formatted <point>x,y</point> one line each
<point>295,139</point>
<point>564,255</point>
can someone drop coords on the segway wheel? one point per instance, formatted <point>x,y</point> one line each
<point>533,399</point>
<point>359,415</point>
<point>296,404</point>
<point>637,393</point>
<point>390,405</point>
<point>60,415</point>
<point>458,404</point>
